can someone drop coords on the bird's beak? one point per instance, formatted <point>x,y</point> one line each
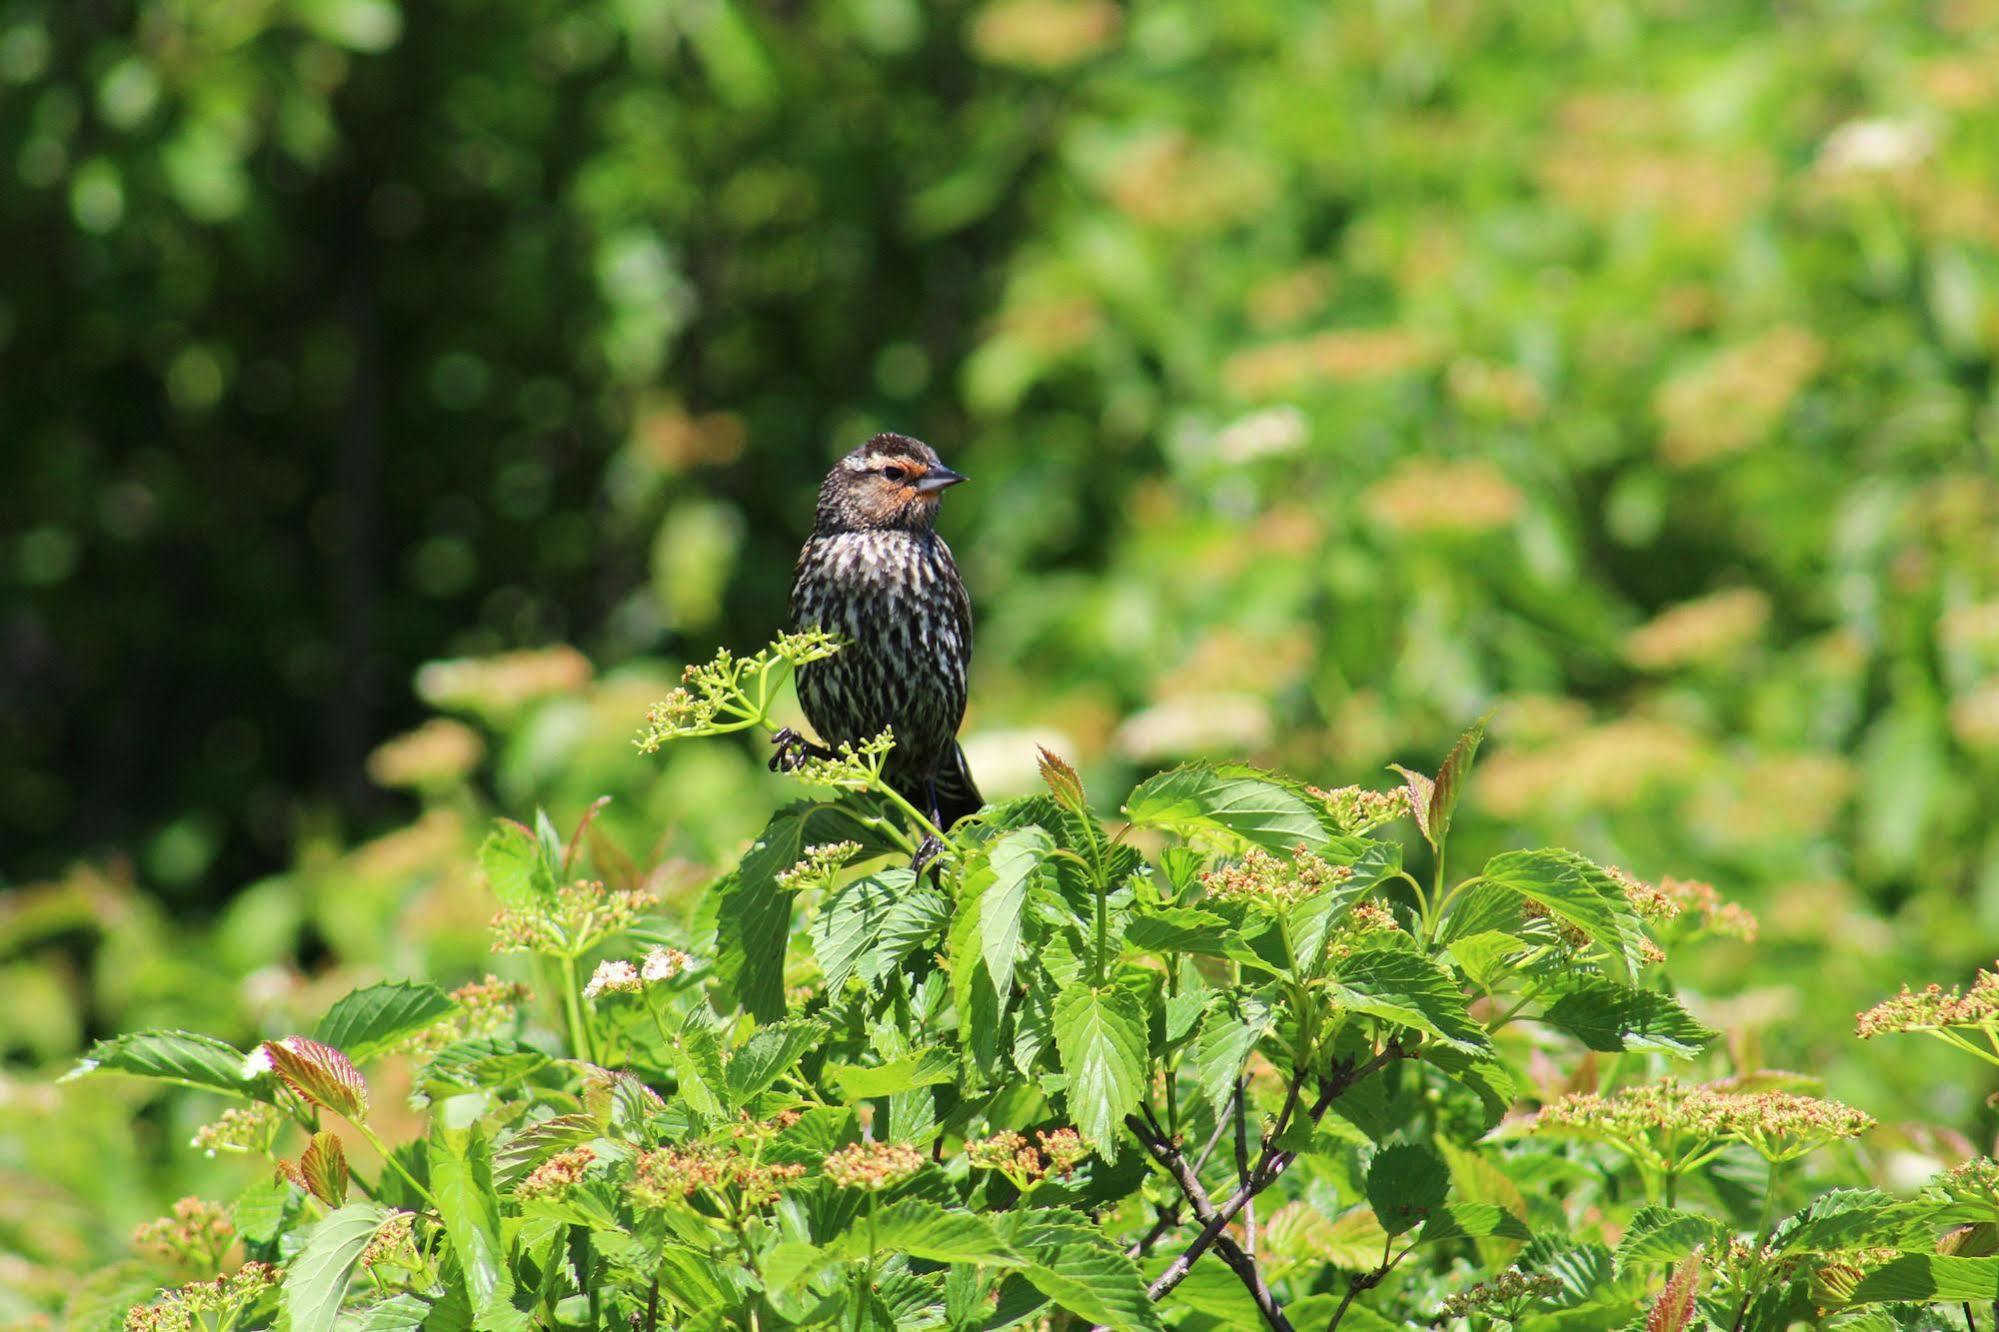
<point>936,479</point>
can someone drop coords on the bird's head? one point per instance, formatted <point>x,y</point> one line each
<point>892,482</point>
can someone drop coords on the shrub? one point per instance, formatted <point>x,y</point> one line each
<point>1226,1062</point>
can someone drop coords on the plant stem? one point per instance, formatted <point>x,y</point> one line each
<point>572,1004</point>
<point>389,1158</point>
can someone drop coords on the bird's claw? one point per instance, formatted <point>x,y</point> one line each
<point>927,852</point>
<point>790,750</point>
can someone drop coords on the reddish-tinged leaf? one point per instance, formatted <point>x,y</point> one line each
<point>1062,780</point>
<point>1450,781</point>
<point>582,827</point>
<point>319,1073</point>
<point>1421,790</point>
<point>1675,1307</point>
<point>323,1169</point>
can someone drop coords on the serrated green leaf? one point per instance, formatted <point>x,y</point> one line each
<point>753,914</point>
<point>1472,1220</point>
<point>1606,1016</point>
<point>1233,798</point>
<point>185,1057</point>
<point>925,1068</point>
<point>260,1210</point>
<point>1180,930</point>
<point>1012,863</point>
<point>923,1229</point>
<point>1922,1277</point>
<point>1229,1031</point>
<point>461,1180</point>
<point>1405,1186</point>
<point>1580,894</point>
<point>316,1280</point>
<point>768,1054</point>
<point>846,927</point>
<point>512,865</point>
<point>1100,1039</point>
<point>1400,986</point>
<point>487,1062</point>
<point>1083,1273</point>
<point>1660,1236</point>
<point>367,1021</point>
<point>398,1313</point>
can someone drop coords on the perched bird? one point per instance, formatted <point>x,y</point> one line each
<point>876,574</point>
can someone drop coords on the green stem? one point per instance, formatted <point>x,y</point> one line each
<point>580,1043</point>
<point>389,1158</point>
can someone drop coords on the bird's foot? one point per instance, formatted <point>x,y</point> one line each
<point>792,749</point>
<point>926,855</point>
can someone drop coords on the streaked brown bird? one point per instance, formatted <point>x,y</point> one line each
<point>876,574</point>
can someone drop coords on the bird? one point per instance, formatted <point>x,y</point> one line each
<point>876,574</point>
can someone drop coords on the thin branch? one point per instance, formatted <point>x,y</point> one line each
<point>1272,1164</point>
<point>1242,1160</point>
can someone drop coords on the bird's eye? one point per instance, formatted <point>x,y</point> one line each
<point>894,473</point>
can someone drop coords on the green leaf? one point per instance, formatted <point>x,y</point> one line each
<point>1180,930</point>
<point>1233,798</point>
<point>768,1055</point>
<point>398,1313</point>
<point>925,1068</point>
<point>697,1061</point>
<point>1606,1016</point>
<point>368,1021</point>
<point>1851,1219</point>
<point>1578,893</point>
<point>461,1180</point>
<point>1100,1038</point>
<point>1405,1185</point>
<point>512,864</point>
<point>1073,1264</point>
<point>1922,1277</point>
<point>1470,1220</point>
<point>925,1230</point>
<point>1661,1236</point>
<point>918,914</point>
<point>316,1280</point>
<point>1013,863</point>
<point>753,914</point>
<point>846,927</point>
<point>486,1063</point>
<point>1400,986</point>
<point>186,1057</point>
<point>1229,1032</point>
<point>260,1210</point>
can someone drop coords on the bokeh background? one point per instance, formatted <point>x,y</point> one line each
<point>397,394</point>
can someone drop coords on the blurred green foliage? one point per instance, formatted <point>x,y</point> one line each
<point>1326,373</point>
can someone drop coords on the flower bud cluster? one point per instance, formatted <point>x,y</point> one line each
<point>249,1128</point>
<point>1261,879</point>
<point>583,914</point>
<point>556,1176</point>
<point>202,1304</point>
<point>670,1176</point>
<point>1976,1181</point>
<point>1933,1008</point>
<point>394,1243</point>
<point>818,866</point>
<point>484,1008</point>
<point>873,1166</point>
<point>1512,1289</point>
<point>852,767</point>
<point>1357,810</point>
<point>1010,1153</point>
<point>718,696</point>
<point>1778,1126</point>
<point>197,1234</point>
<point>762,1130</point>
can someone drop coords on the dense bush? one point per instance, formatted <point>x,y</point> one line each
<point>1228,1062</point>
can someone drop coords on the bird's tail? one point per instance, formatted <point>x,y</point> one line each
<point>957,794</point>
